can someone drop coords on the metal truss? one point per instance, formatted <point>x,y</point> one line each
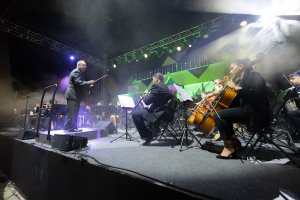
<point>24,33</point>
<point>182,38</point>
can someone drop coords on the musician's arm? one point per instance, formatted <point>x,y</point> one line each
<point>77,78</point>
<point>148,99</point>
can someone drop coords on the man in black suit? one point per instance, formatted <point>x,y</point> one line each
<point>74,94</point>
<point>145,119</point>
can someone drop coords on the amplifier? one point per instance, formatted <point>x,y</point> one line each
<point>68,142</point>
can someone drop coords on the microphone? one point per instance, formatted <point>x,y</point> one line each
<point>51,86</point>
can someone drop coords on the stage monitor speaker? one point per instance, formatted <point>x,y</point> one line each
<point>68,142</point>
<point>107,126</point>
<point>26,135</point>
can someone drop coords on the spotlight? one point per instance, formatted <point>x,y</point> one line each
<point>72,57</point>
<point>114,66</point>
<point>190,45</point>
<point>205,36</point>
<point>145,55</point>
<point>178,48</point>
<point>267,19</point>
<point>243,23</point>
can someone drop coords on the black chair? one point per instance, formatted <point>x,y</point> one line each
<point>166,119</point>
<point>265,135</point>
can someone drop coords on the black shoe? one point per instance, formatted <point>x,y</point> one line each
<point>75,130</point>
<point>230,156</point>
<point>147,141</point>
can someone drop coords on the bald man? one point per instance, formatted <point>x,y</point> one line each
<point>74,94</point>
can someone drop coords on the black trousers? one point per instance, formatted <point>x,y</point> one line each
<point>143,125</point>
<point>225,118</point>
<point>73,110</point>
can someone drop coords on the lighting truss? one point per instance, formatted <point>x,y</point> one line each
<point>24,33</point>
<point>184,37</point>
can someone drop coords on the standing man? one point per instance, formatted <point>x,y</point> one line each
<point>74,94</point>
<point>145,119</point>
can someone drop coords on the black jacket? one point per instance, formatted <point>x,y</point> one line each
<point>75,90</point>
<point>158,98</point>
<point>255,101</point>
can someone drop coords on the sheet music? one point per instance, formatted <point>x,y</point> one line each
<point>183,95</point>
<point>126,101</point>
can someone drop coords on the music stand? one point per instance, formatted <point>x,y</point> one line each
<point>185,97</point>
<point>127,103</point>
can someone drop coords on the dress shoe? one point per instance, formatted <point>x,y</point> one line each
<point>75,130</point>
<point>147,141</point>
<point>233,155</point>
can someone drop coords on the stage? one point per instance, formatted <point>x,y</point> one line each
<point>123,168</point>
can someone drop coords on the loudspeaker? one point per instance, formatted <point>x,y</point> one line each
<point>107,126</point>
<point>68,142</point>
<point>26,135</point>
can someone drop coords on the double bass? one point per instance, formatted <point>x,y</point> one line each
<point>202,116</point>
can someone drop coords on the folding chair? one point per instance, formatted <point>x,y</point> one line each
<point>165,121</point>
<point>265,135</point>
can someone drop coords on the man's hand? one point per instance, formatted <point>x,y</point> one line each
<point>91,82</point>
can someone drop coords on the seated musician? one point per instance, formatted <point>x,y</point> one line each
<point>146,120</point>
<point>254,108</point>
<point>294,115</point>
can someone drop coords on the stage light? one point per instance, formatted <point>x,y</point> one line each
<point>190,45</point>
<point>178,48</point>
<point>72,57</point>
<point>243,23</point>
<point>205,36</point>
<point>114,66</point>
<point>267,19</point>
<point>145,55</point>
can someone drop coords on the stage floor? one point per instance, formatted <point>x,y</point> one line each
<point>194,169</point>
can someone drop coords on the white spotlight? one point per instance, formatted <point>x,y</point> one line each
<point>267,19</point>
<point>114,66</point>
<point>190,45</point>
<point>145,55</point>
<point>178,48</point>
<point>243,23</point>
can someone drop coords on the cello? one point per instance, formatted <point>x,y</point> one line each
<point>202,116</point>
